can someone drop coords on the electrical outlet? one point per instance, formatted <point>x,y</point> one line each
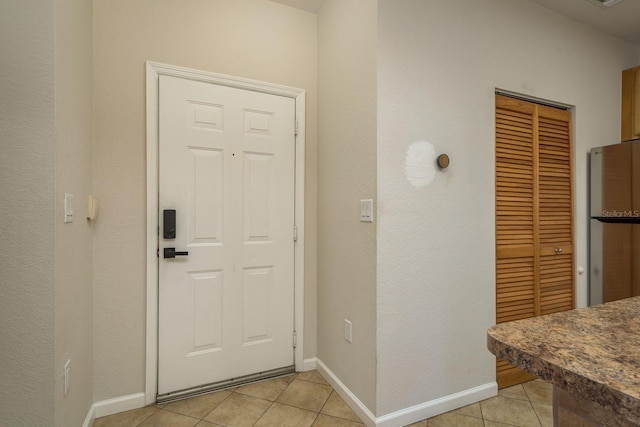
<point>67,378</point>
<point>347,330</point>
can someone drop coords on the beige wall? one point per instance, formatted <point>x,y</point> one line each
<point>347,42</point>
<point>46,303</point>
<point>439,64</point>
<point>255,39</point>
<point>74,279</point>
<point>27,197</point>
<point>422,323</point>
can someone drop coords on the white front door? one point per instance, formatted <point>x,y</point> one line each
<point>226,166</point>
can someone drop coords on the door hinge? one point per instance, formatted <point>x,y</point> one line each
<point>295,233</point>
<point>295,339</point>
<point>295,128</point>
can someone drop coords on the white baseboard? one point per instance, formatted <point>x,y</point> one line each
<point>91,417</point>
<point>350,399</point>
<point>437,406</point>
<point>395,419</point>
<point>411,414</point>
<point>118,404</point>
<point>137,400</point>
<point>309,364</point>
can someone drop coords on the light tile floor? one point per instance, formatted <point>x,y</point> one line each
<point>306,399</point>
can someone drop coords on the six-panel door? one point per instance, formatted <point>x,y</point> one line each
<point>226,165</point>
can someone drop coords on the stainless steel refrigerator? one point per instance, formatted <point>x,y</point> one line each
<point>614,235</point>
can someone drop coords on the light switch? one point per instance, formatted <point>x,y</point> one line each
<point>68,208</point>
<point>366,210</point>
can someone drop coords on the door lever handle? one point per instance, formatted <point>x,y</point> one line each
<point>172,253</point>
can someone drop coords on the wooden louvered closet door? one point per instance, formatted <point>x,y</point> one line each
<point>534,216</point>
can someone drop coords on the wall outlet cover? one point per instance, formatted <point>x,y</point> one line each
<point>347,330</point>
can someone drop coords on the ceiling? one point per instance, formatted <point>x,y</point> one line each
<point>621,20</point>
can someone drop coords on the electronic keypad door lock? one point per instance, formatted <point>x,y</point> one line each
<point>169,224</point>
<point>169,232</point>
<point>172,253</point>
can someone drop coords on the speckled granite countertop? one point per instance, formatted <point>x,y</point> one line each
<point>592,352</point>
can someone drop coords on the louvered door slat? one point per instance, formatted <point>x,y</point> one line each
<point>556,219</point>
<point>515,279</point>
<point>555,183</point>
<point>534,216</point>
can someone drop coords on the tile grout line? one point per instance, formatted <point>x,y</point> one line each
<point>265,411</point>
<point>535,412</point>
<point>150,415</point>
<point>326,401</point>
<point>218,404</point>
<point>273,402</point>
<point>531,404</point>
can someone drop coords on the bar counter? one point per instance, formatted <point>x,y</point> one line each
<point>590,355</point>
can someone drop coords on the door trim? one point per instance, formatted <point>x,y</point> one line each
<point>153,71</point>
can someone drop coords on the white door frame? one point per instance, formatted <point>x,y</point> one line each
<point>153,71</point>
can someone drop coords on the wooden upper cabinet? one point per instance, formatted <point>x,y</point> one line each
<point>631,104</point>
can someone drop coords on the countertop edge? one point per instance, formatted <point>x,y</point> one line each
<point>572,382</point>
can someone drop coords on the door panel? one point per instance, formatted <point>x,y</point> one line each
<point>534,216</point>
<point>257,304</point>
<point>616,185</point>
<point>556,283</point>
<point>207,309</point>
<point>617,257</point>
<point>614,261</point>
<point>555,201</point>
<point>515,211</point>
<point>207,183</point>
<point>226,165</point>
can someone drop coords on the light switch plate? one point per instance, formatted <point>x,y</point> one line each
<point>347,330</point>
<point>68,207</point>
<point>366,210</point>
<point>67,377</point>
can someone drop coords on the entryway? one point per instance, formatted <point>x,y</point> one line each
<point>228,239</point>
